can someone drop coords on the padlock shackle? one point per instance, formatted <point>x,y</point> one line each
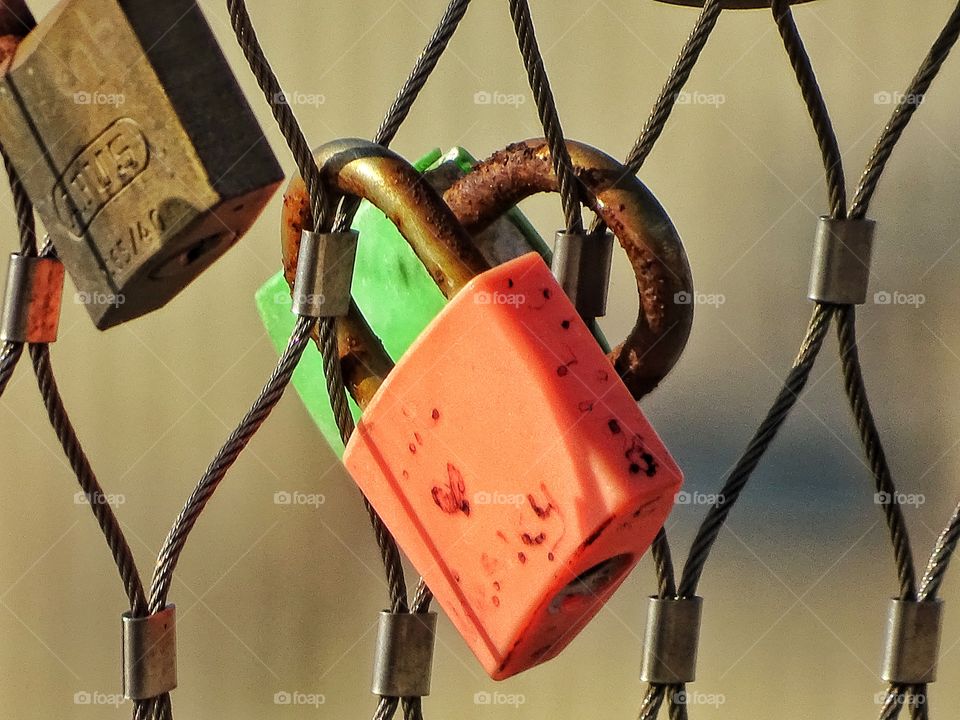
<point>374,173</point>
<point>364,169</point>
<point>630,210</point>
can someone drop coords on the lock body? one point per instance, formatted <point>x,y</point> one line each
<point>513,466</point>
<point>136,146</point>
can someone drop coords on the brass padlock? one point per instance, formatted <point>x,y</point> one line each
<point>136,146</point>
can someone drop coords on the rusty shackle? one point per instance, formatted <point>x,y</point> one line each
<point>439,233</point>
<point>634,215</point>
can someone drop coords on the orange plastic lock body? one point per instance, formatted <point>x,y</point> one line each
<point>513,467</point>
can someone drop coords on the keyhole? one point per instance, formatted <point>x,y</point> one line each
<point>590,584</point>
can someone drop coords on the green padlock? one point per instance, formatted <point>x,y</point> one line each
<point>394,292</point>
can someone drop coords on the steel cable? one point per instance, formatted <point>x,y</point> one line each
<point>904,113</point>
<point>679,75</point>
<point>816,107</point>
<point>273,391</point>
<point>571,190</point>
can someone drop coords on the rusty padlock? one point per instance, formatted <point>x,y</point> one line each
<point>137,147</point>
<point>503,452</point>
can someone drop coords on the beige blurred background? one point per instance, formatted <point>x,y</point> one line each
<point>276,599</point>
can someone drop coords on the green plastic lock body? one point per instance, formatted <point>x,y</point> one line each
<point>513,467</point>
<point>136,146</point>
<point>396,295</point>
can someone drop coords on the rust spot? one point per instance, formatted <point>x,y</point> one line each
<point>452,497</point>
<point>641,461</point>
<point>542,512</point>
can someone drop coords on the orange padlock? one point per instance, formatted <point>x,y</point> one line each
<point>504,452</point>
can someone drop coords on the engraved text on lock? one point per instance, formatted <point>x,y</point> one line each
<point>99,173</point>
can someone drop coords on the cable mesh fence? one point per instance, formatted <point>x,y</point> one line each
<point>329,212</point>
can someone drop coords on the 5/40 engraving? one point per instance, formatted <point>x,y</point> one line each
<point>99,172</point>
<point>135,238</point>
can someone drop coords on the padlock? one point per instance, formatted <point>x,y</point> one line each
<point>391,288</point>
<point>503,452</point>
<point>137,147</point>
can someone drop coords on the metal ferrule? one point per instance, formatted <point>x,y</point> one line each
<point>581,264</point>
<point>150,654</point>
<point>841,261</point>
<point>912,644</point>
<point>671,640</point>
<point>31,307</point>
<point>403,664</point>
<point>324,274</point>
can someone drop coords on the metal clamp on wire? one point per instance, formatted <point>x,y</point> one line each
<point>581,264</point>
<point>912,644</point>
<point>31,306</point>
<point>841,261</point>
<point>671,640</point>
<point>150,654</point>
<point>324,274</point>
<point>404,658</point>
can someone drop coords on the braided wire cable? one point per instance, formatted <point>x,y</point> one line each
<point>816,107</point>
<point>846,328</point>
<point>225,458</point>
<point>652,702</point>
<point>23,208</point>
<point>11,352</point>
<point>663,563</point>
<point>761,441</point>
<point>414,84</point>
<point>571,190</point>
<point>282,112</point>
<point>424,67</point>
<point>327,341</point>
<point>930,585</point>
<point>176,539</point>
<point>870,438</point>
<point>109,525</point>
<point>60,421</point>
<point>667,100</point>
<point>904,113</point>
<point>649,135</point>
<point>943,552</point>
<point>679,75</point>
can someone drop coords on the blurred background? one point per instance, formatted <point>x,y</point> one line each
<point>281,600</point>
